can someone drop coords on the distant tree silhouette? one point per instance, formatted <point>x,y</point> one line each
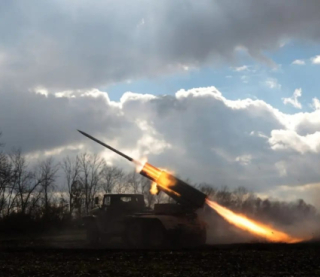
<point>31,199</point>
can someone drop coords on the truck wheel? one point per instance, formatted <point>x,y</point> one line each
<point>134,235</point>
<point>156,235</point>
<point>93,236</point>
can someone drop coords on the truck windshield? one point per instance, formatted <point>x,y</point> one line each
<point>107,201</point>
<point>126,199</point>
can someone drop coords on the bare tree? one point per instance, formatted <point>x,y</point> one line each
<point>72,176</point>
<point>24,181</point>
<point>112,176</point>
<point>133,181</point>
<point>7,186</point>
<point>91,176</point>
<point>77,192</point>
<point>122,186</point>
<point>5,174</point>
<point>223,196</point>
<point>47,176</point>
<point>207,189</point>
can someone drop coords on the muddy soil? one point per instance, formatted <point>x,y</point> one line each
<point>67,255</point>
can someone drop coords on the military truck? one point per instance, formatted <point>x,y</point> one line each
<point>126,216</point>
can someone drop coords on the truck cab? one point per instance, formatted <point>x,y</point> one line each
<point>123,203</point>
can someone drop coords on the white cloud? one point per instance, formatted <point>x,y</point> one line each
<point>299,62</point>
<point>290,140</point>
<point>241,68</point>
<point>316,103</point>
<point>244,159</point>
<point>258,134</point>
<point>149,142</point>
<point>42,91</point>
<point>273,83</point>
<point>294,99</point>
<point>316,60</point>
<point>197,133</point>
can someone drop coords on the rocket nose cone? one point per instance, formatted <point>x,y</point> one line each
<point>87,135</point>
<point>83,133</point>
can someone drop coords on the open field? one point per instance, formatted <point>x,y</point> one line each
<point>63,256</point>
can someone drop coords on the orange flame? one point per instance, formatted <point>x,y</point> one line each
<point>158,176</point>
<point>154,189</point>
<point>252,226</point>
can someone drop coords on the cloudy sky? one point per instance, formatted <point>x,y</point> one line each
<point>225,92</point>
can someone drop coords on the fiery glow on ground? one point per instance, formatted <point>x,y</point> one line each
<point>252,226</point>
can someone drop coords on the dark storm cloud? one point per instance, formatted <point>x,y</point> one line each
<point>37,122</point>
<point>81,44</point>
<point>71,45</point>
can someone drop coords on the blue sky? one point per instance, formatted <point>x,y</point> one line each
<point>253,82</point>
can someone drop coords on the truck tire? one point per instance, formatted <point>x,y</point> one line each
<point>93,236</point>
<point>135,235</point>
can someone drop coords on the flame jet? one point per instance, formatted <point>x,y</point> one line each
<point>177,189</point>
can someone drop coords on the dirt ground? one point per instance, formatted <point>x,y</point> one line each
<point>67,255</point>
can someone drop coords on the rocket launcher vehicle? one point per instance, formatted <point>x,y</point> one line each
<point>191,199</point>
<point>175,188</point>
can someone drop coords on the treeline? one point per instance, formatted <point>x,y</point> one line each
<point>30,195</point>
<point>50,195</point>
<point>273,212</point>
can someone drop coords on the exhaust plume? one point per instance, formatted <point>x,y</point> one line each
<point>252,226</point>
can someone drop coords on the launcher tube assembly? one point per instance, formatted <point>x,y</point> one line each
<point>177,189</point>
